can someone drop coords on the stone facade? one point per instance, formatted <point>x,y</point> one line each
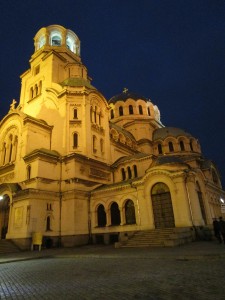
<point>79,168</point>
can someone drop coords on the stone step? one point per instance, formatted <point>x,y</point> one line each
<point>7,246</point>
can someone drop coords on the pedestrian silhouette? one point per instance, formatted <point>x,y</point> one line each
<point>216,228</point>
<point>222,228</point>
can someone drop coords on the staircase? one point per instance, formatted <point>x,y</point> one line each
<point>6,246</point>
<point>159,238</point>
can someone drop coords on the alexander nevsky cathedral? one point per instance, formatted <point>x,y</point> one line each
<point>79,168</point>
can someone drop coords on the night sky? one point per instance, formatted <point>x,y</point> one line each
<point>172,52</point>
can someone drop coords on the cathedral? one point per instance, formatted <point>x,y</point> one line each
<point>79,168</point>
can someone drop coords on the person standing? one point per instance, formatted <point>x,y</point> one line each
<point>222,228</point>
<point>216,228</point>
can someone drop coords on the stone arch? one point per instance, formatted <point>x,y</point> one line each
<point>101,216</point>
<point>115,214</point>
<point>129,209</point>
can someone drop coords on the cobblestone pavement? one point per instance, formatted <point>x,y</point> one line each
<point>194,271</point>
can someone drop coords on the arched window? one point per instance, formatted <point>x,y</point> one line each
<point>75,113</point>
<point>101,216</point>
<point>48,223</point>
<point>28,172</point>
<point>112,114</point>
<point>191,145</point>
<point>121,110</point>
<point>15,145</point>
<point>131,110</point>
<point>102,145</point>
<point>42,41</point>
<point>123,174</point>
<point>160,149</point>
<point>95,114</point>
<point>56,40</point>
<point>149,113</point>
<point>75,140</point>
<point>182,146</point>
<point>35,90</point>
<point>91,114</point>
<point>115,214</point>
<point>4,154</point>
<point>140,110</point>
<point>94,140</point>
<point>129,172</point>
<point>171,149</point>
<point>10,148</point>
<point>31,93</point>
<point>200,199</point>
<point>40,87</point>
<point>130,212</point>
<point>135,171</point>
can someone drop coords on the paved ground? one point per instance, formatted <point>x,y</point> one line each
<point>194,271</point>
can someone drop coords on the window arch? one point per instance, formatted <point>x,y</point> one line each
<point>171,148</point>
<point>121,110</point>
<point>131,110</point>
<point>130,212</point>
<point>101,216</point>
<point>140,109</point>
<point>115,214</point>
<point>75,140</point>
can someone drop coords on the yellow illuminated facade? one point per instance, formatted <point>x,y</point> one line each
<point>77,167</point>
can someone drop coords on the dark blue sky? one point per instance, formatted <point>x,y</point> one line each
<point>172,52</point>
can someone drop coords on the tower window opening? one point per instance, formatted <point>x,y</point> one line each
<point>131,110</point>
<point>149,113</point>
<point>160,149</point>
<point>56,40</point>
<point>140,110</point>
<point>75,140</point>
<point>171,148</point>
<point>121,110</point>
<point>75,113</point>
<point>182,146</point>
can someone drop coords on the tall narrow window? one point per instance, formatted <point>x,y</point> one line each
<point>149,113</point>
<point>171,149</point>
<point>94,140</point>
<point>75,140</point>
<point>191,146</point>
<point>75,113</point>
<point>10,148</point>
<point>160,149</point>
<point>182,146</point>
<point>140,110</point>
<point>129,172</point>
<point>112,114</point>
<point>135,171</point>
<point>95,114</point>
<point>121,110</point>
<point>101,216</point>
<point>123,174</point>
<point>131,110</point>
<point>102,145</point>
<point>4,154</point>
<point>91,114</point>
<point>56,40</point>
<point>28,172</point>
<point>31,93</point>
<point>48,223</point>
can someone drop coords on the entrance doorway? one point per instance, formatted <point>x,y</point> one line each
<point>4,216</point>
<point>162,206</point>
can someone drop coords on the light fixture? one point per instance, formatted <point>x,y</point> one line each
<point>1,198</point>
<point>221,200</point>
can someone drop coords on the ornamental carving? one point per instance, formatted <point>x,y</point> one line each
<point>7,177</point>
<point>99,173</point>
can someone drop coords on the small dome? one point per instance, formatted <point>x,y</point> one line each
<point>127,95</point>
<point>57,36</point>
<point>164,132</point>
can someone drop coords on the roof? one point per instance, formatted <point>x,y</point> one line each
<point>164,160</point>
<point>164,132</point>
<point>127,95</point>
<point>77,82</point>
